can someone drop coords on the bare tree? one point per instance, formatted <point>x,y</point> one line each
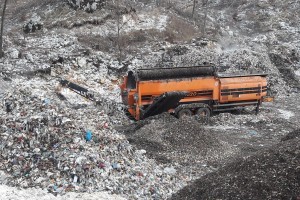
<point>118,32</point>
<point>194,6</point>
<point>2,25</point>
<point>205,6</point>
<point>120,25</point>
<point>157,2</point>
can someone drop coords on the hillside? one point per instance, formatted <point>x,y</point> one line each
<point>93,43</point>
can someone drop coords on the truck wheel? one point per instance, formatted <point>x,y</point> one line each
<point>184,112</point>
<point>203,112</point>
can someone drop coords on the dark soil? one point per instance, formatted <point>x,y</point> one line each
<point>168,139</point>
<point>269,174</point>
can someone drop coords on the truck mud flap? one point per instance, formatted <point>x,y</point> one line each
<point>163,103</point>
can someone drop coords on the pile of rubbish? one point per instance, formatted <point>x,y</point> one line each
<point>67,143</point>
<point>13,193</point>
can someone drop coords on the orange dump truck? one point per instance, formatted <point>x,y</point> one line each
<point>190,91</point>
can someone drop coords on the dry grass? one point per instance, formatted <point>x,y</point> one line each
<point>21,9</point>
<point>179,30</point>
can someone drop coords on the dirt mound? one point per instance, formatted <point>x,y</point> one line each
<point>270,174</point>
<point>167,139</point>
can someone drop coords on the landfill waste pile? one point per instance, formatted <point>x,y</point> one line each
<point>69,144</point>
<point>54,142</point>
<point>269,174</point>
<point>12,193</point>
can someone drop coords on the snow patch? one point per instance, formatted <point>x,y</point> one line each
<point>286,114</point>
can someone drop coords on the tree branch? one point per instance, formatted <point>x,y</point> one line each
<point>1,33</point>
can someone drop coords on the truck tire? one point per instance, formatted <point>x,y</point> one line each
<point>184,112</point>
<point>203,112</point>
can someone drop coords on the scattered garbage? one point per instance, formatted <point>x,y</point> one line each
<point>88,136</point>
<point>8,105</point>
<point>14,193</point>
<point>169,170</point>
<point>42,131</point>
<point>252,132</point>
<point>44,143</point>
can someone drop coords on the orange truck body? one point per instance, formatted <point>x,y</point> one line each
<point>217,93</point>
